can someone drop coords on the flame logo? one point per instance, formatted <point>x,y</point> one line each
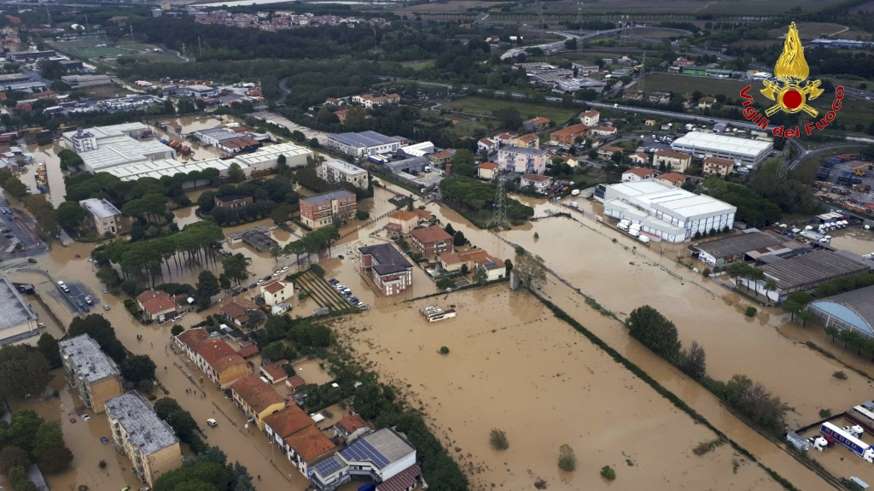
<point>791,65</point>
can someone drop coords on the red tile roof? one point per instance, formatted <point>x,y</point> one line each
<point>351,423</point>
<point>430,235</point>
<point>236,308</point>
<point>310,443</point>
<point>218,354</point>
<point>274,286</point>
<point>275,372</point>
<point>248,350</point>
<point>641,171</point>
<point>296,381</point>
<point>673,177</point>
<point>488,165</point>
<point>193,337</point>
<point>402,481</point>
<point>258,395</point>
<point>672,154</point>
<point>288,421</point>
<point>156,301</point>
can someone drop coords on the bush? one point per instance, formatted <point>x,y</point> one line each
<point>608,473</point>
<point>362,215</point>
<point>498,440</point>
<point>825,413</point>
<point>567,459</point>
<point>444,283</point>
<point>444,350</point>
<point>750,311</point>
<point>13,456</point>
<point>840,375</point>
<point>176,330</point>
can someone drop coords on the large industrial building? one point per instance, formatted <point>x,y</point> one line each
<point>743,150</point>
<point>105,147</point>
<point>849,310</point>
<point>265,159</point>
<point>18,320</point>
<point>364,143</point>
<point>669,213</point>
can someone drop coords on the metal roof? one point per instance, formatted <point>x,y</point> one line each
<point>808,270</point>
<point>854,308</point>
<point>87,361</point>
<point>326,197</point>
<point>381,448</point>
<point>100,208</point>
<point>15,310</point>
<point>700,141</point>
<point>651,194</point>
<point>363,139</point>
<point>737,245</point>
<point>387,259</point>
<point>145,430</point>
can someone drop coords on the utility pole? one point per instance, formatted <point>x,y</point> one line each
<point>500,220</point>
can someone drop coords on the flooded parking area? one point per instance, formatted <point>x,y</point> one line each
<point>513,366</point>
<point>855,240</point>
<point>623,275</point>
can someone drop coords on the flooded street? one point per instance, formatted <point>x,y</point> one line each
<point>515,367</point>
<point>48,156</point>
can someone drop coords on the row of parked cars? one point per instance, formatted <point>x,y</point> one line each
<point>346,292</point>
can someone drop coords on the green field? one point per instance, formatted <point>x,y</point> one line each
<point>684,84</point>
<point>96,49</point>
<point>486,107</point>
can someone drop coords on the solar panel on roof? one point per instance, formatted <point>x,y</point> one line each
<point>329,466</point>
<point>361,450</point>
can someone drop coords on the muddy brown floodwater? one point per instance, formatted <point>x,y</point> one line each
<point>515,367</point>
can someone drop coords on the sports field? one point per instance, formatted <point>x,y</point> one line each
<point>486,107</point>
<point>99,49</point>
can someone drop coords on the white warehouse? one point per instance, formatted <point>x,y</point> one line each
<point>744,150</point>
<point>669,213</point>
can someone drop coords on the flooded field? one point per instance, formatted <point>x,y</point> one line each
<point>622,277</point>
<point>856,240</point>
<point>514,367</point>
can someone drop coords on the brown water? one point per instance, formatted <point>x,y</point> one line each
<point>48,155</point>
<point>514,367</point>
<point>858,241</point>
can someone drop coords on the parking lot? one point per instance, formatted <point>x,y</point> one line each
<point>77,296</point>
<point>18,236</point>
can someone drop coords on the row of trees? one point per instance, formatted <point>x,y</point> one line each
<point>208,471</point>
<point>748,398</point>
<point>267,195</point>
<point>28,439</point>
<point>476,200</point>
<point>313,242</point>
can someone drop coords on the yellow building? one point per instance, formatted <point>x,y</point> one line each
<point>148,441</point>
<point>88,370</point>
<point>256,398</point>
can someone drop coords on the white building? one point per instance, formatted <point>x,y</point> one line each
<point>744,150</point>
<point>590,118</point>
<point>107,218</point>
<point>105,147</point>
<point>669,213</point>
<point>522,160</point>
<point>277,292</point>
<point>418,149</point>
<point>335,170</point>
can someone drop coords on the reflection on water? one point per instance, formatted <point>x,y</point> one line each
<point>47,155</point>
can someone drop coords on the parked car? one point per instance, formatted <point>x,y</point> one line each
<point>212,423</point>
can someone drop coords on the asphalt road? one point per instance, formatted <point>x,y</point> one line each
<point>76,297</point>
<point>16,227</point>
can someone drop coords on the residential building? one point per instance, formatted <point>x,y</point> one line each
<point>214,357</point>
<point>324,209</point>
<point>284,423</point>
<point>487,170</point>
<point>89,371</point>
<point>749,244</point>
<point>339,171</point>
<point>639,158</point>
<point>665,212</point>
<point>590,118</point>
<point>474,260</point>
<point>853,310</point>
<point>486,145</point>
<point>636,174</point>
<point>603,131</point>
<point>350,426</point>
<point>528,140</point>
<point>443,158</point>
<point>380,455</point>
<point>233,202</point>
<point>717,166</point>
<point>671,159</point>
<point>156,305</point>
<point>18,321</point>
<point>274,372</point>
<point>522,160</point>
<point>607,152</point>
<point>539,183</point>
<point>148,441</point>
<point>672,178</point>
<point>240,312</point>
<point>308,446</point>
<point>431,241</point>
<point>364,144</point>
<point>277,292</point>
<point>568,135</point>
<point>256,398</point>
<point>106,219</point>
<point>103,147</point>
<point>804,271</point>
<point>386,267</point>
<point>536,124</point>
<point>369,101</point>
<point>744,150</point>
<point>402,222</point>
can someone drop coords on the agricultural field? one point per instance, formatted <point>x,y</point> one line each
<point>486,107</point>
<point>811,30</point>
<point>102,50</point>
<point>684,84</point>
<point>686,7</point>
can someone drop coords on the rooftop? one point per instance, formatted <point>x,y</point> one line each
<point>15,310</point>
<point>351,423</point>
<point>807,270</point>
<point>719,161</point>
<point>257,394</point>
<point>722,143</point>
<point>88,362</point>
<point>310,443</point>
<point>428,235</point>
<point>488,165</point>
<point>273,286</point>
<point>363,139</point>
<point>672,154</point>
<point>144,428</point>
<point>343,166</point>
<point>854,308</point>
<point>641,171</point>
<point>218,354</point>
<point>100,208</point>
<point>328,197</point>
<point>678,201</point>
<point>275,371</point>
<point>387,259</point>
<point>288,421</point>
<point>525,150</point>
<point>381,447</point>
<point>737,245</point>
<point>156,301</point>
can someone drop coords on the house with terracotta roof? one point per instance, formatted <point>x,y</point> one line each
<point>673,178</point>
<point>277,292</point>
<point>717,166</point>
<point>350,426</point>
<point>256,398</point>
<point>308,446</point>
<point>568,135</point>
<point>487,170</point>
<point>248,350</point>
<point>639,158</point>
<point>274,372</point>
<point>431,241</point>
<point>213,356</point>
<point>607,152</point>
<point>539,183</point>
<point>672,159</point>
<point>285,423</point>
<point>442,157</point>
<point>156,305</point>
<point>474,259</point>
<point>590,118</point>
<point>538,123</point>
<point>240,311</point>
<point>295,382</point>
<point>603,130</point>
<point>528,140</point>
<point>636,174</point>
<point>384,456</point>
<point>402,222</point>
<point>486,145</point>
